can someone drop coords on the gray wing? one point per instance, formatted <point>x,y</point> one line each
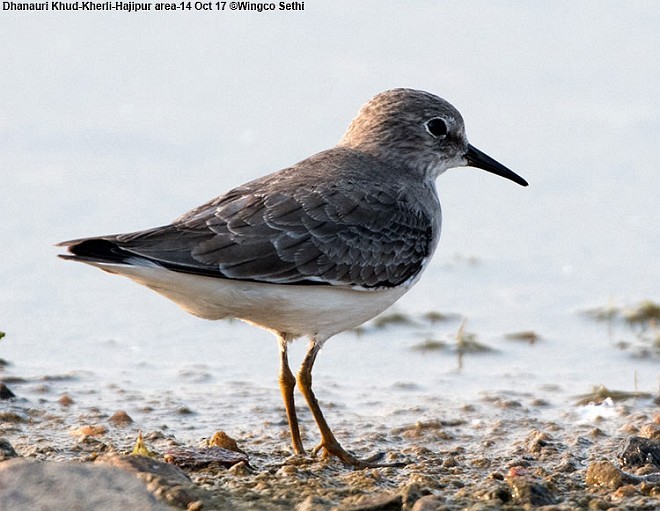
<point>291,231</point>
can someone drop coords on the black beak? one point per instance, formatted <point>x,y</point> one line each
<point>476,158</point>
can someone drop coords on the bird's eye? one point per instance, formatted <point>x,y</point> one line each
<point>437,127</point>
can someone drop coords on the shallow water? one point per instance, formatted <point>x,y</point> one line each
<point>584,234</point>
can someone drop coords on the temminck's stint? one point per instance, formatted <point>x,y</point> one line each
<point>316,248</point>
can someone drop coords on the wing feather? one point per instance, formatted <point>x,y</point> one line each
<point>289,229</point>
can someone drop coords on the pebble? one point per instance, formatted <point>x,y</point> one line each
<point>637,452</point>
<point>6,450</point>
<point>5,392</point>
<point>429,503</point>
<point>120,418</point>
<point>386,502</point>
<point>604,474</point>
<point>528,490</point>
<point>65,400</point>
<point>89,430</point>
<point>222,439</point>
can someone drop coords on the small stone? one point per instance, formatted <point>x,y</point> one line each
<point>6,450</point>
<point>5,392</point>
<point>598,504</point>
<point>537,441</point>
<point>625,492</point>
<point>430,503</point>
<point>527,490</point>
<point>605,474</point>
<point>120,418</point>
<point>65,400</point>
<point>637,452</point>
<point>240,469</point>
<point>313,503</point>
<point>496,493</point>
<point>411,493</point>
<point>651,431</point>
<point>89,430</point>
<point>12,417</point>
<point>288,470</point>
<point>378,503</point>
<point>222,439</point>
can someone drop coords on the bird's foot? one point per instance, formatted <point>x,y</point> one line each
<point>336,450</point>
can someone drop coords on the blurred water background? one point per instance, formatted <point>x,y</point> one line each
<point>112,122</point>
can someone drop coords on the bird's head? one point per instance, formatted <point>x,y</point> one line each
<point>420,131</point>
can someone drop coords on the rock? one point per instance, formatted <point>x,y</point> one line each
<point>50,486</point>
<point>650,431</point>
<point>5,392</point>
<point>494,492</point>
<point>605,474</point>
<point>167,482</point>
<point>12,417</point>
<point>527,490</point>
<point>89,430</point>
<point>6,450</point>
<point>379,503</point>
<point>411,493</point>
<point>637,452</point>
<point>120,418</point>
<point>144,465</point>
<point>65,400</point>
<point>241,469</point>
<point>537,441</point>
<point>222,439</point>
<point>430,503</point>
<point>313,503</point>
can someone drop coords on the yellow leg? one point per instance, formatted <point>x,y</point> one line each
<point>328,441</point>
<point>287,384</point>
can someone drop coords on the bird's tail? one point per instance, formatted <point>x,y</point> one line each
<point>97,250</point>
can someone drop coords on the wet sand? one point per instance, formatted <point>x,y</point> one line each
<point>504,450</point>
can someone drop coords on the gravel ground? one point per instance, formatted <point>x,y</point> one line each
<point>499,452</point>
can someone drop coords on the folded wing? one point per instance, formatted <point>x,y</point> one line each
<point>271,231</point>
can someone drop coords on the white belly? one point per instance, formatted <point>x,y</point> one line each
<point>320,311</point>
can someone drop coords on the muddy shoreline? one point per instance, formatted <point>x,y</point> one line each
<point>503,451</point>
